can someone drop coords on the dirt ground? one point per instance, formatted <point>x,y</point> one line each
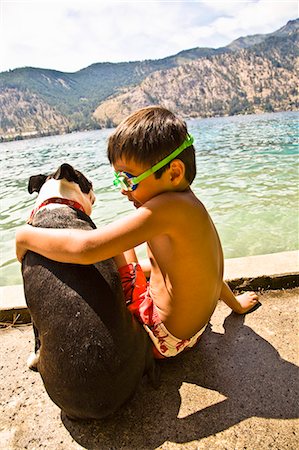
<point>237,390</point>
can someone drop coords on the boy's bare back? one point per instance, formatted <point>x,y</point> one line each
<point>186,265</point>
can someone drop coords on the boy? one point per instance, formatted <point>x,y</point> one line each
<point>154,162</point>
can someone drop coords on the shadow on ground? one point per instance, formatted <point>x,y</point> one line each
<point>247,373</point>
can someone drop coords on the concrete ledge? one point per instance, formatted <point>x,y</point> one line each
<point>272,265</point>
<point>265,283</point>
<point>262,272</point>
<point>13,306</point>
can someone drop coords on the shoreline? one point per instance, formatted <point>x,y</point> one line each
<point>58,132</point>
<point>272,271</point>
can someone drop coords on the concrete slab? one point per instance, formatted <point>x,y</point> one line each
<point>13,306</point>
<point>274,264</point>
<point>12,297</point>
<point>237,390</point>
<point>273,271</point>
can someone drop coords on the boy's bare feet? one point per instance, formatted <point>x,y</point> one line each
<point>247,301</point>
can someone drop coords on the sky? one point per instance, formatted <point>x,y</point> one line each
<point>68,35</point>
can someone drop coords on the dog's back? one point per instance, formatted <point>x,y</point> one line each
<point>92,351</point>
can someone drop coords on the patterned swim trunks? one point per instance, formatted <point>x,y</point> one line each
<point>139,302</point>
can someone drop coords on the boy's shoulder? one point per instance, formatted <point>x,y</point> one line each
<point>176,203</point>
<point>169,213</point>
<point>176,214</point>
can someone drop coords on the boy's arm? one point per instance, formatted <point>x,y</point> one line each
<point>228,297</point>
<point>241,303</point>
<point>88,247</point>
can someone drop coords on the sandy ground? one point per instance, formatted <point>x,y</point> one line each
<point>237,390</point>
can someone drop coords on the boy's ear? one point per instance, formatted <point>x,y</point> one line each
<point>177,171</point>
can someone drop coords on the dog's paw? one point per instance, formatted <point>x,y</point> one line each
<point>32,361</point>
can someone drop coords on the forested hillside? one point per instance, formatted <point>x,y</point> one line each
<point>252,74</point>
<point>260,79</point>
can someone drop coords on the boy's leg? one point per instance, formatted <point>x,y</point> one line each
<point>146,267</point>
<point>241,304</point>
<point>133,279</point>
<point>130,257</point>
<point>126,258</point>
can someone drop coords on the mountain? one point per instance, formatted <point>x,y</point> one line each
<point>73,96</point>
<point>252,74</point>
<point>251,80</point>
<point>248,41</point>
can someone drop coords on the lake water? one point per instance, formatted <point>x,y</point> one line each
<point>247,177</point>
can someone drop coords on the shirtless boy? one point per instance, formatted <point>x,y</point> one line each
<point>154,163</point>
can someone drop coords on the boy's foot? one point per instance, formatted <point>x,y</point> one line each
<point>248,302</point>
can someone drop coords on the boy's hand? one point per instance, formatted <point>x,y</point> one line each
<point>21,249</point>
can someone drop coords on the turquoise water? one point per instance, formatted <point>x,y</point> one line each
<point>247,176</point>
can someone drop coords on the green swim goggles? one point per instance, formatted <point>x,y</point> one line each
<point>127,182</point>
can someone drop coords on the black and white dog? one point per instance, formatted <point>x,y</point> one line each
<point>90,351</point>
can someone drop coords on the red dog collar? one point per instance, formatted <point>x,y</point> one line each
<point>61,201</point>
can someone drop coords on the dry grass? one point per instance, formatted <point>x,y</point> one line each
<point>12,323</point>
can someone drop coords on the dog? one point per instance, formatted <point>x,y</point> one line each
<point>89,350</point>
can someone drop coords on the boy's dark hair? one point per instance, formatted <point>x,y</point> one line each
<point>149,135</point>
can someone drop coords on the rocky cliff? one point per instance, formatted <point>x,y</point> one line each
<point>25,114</point>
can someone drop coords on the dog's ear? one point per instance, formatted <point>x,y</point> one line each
<point>35,183</point>
<point>67,172</point>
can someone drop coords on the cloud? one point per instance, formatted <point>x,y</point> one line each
<point>69,35</point>
<point>241,18</point>
<point>253,17</point>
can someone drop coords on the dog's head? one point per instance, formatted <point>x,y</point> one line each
<point>66,182</point>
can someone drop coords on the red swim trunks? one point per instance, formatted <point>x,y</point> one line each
<point>139,302</point>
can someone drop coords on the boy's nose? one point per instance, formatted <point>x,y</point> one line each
<point>127,194</point>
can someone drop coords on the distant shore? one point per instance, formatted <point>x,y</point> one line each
<point>10,137</point>
<point>32,135</point>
